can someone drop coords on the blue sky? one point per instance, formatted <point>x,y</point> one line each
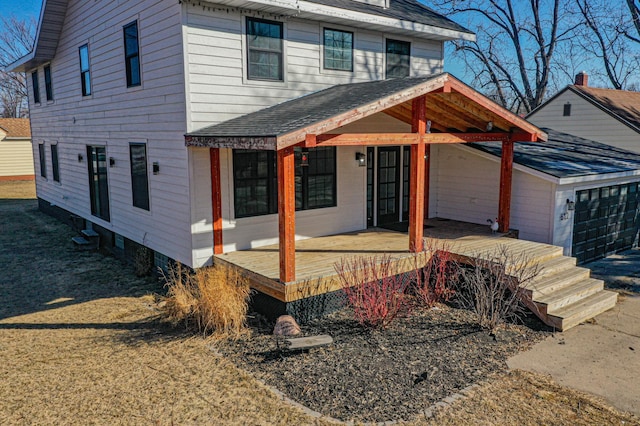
<point>21,8</point>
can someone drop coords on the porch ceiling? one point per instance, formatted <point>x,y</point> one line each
<point>456,113</point>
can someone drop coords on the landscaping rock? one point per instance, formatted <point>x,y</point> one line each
<point>286,325</point>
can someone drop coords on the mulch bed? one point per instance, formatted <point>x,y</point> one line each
<point>382,375</point>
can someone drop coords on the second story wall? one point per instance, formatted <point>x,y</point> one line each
<point>218,85</point>
<point>113,113</point>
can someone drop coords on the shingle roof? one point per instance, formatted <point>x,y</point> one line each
<point>565,155</point>
<point>405,10</point>
<point>16,127</point>
<point>315,107</point>
<point>622,104</point>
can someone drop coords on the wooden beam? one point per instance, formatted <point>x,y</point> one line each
<point>310,141</point>
<point>417,177</point>
<point>440,138</point>
<point>287,214</point>
<point>506,177</point>
<point>496,109</point>
<point>216,199</point>
<point>427,171</point>
<point>369,139</point>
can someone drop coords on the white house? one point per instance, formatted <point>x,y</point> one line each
<point>202,128</point>
<point>16,156</point>
<point>609,116</point>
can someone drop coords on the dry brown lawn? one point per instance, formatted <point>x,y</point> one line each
<point>81,343</point>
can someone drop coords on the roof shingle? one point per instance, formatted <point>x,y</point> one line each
<point>565,155</point>
<point>622,104</point>
<point>16,127</point>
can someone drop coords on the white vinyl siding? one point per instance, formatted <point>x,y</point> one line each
<point>216,64</point>
<point>587,121</point>
<point>465,186</point>
<point>16,158</point>
<point>113,116</point>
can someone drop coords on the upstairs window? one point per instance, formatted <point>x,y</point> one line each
<point>36,87</point>
<point>139,175</point>
<point>338,50</point>
<point>264,50</point>
<point>132,54</point>
<point>398,58</point>
<point>55,166</point>
<point>85,74</point>
<point>47,83</point>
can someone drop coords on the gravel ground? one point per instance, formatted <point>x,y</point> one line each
<point>380,375</point>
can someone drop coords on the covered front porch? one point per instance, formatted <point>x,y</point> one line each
<point>316,257</point>
<point>426,111</point>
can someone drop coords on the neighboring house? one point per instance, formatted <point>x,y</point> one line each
<point>605,115</point>
<point>606,215</point>
<point>571,192</point>
<point>16,156</point>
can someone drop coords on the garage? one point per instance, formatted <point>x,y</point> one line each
<point>605,221</point>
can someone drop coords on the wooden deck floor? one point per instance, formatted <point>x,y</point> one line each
<point>316,257</point>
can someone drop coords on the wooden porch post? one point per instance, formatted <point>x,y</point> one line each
<point>417,179</point>
<point>427,168</point>
<point>216,199</point>
<point>287,214</point>
<point>506,175</point>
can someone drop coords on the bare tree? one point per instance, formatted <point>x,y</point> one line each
<point>610,35</point>
<point>513,58</point>
<point>16,40</point>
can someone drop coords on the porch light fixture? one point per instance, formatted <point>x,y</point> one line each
<point>361,159</point>
<point>112,161</point>
<point>156,168</point>
<point>571,205</point>
<point>489,126</point>
<point>80,158</point>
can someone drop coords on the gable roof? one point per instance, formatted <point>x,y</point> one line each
<point>287,123</point>
<point>623,105</point>
<point>16,127</point>
<point>407,16</point>
<point>565,155</point>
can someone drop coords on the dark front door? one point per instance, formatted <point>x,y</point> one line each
<point>388,185</point>
<point>605,221</point>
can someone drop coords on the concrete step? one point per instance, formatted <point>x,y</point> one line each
<point>80,241</point>
<point>548,284</point>
<point>89,233</point>
<point>582,310</point>
<point>568,295</point>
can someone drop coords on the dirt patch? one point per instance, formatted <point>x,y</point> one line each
<point>380,375</point>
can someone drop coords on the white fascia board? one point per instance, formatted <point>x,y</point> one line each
<point>336,12</point>
<point>18,65</point>
<point>597,177</point>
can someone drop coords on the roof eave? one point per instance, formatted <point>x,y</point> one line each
<point>594,101</point>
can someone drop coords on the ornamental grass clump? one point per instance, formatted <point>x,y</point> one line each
<point>212,300</point>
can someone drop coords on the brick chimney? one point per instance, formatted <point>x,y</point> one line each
<point>582,79</point>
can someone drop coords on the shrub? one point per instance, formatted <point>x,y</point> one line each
<point>493,287</point>
<point>438,276</point>
<point>374,289</point>
<point>211,299</point>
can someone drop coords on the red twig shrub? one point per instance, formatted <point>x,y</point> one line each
<point>374,289</point>
<point>438,276</point>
